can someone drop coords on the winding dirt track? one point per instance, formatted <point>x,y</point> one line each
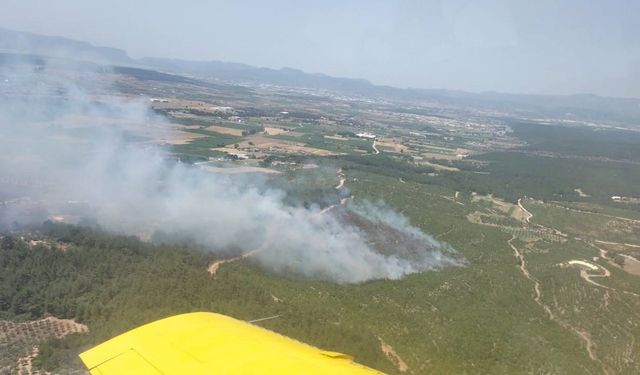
<point>583,334</point>
<point>342,179</point>
<point>215,265</point>
<point>528,214</point>
<point>618,243</point>
<point>586,276</point>
<point>525,272</point>
<point>375,149</point>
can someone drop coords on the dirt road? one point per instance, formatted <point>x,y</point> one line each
<point>342,179</point>
<point>528,215</point>
<point>618,243</point>
<point>584,335</point>
<point>215,265</point>
<point>388,350</point>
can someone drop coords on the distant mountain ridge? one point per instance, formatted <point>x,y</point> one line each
<point>247,73</point>
<point>579,107</point>
<point>60,47</point>
<point>55,46</point>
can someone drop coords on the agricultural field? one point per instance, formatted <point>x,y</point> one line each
<point>19,341</point>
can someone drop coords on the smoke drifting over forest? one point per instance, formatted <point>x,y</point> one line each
<point>64,151</point>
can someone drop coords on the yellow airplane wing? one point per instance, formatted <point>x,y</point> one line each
<point>207,343</point>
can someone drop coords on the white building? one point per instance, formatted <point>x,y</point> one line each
<point>366,135</point>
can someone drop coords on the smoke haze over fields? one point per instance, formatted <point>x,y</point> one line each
<point>66,147</point>
<point>541,47</point>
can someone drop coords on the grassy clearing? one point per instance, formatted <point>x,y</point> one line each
<point>202,147</point>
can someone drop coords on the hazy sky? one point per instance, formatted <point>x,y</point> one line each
<point>541,46</point>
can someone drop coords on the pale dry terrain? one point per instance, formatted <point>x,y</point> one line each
<point>261,143</point>
<point>238,169</point>
<point>270,130</point>
<point>391,145</point>
<point>19,341</point>
<point>224,130</point>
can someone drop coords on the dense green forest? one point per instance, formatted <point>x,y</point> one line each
<point>512,175</point>
<point>115,283</point>
<point>439,322</point>
<point>582,141</point>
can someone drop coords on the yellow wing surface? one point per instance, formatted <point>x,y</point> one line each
<point>208,343</point>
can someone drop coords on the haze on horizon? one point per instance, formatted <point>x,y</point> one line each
<point>541,47</point>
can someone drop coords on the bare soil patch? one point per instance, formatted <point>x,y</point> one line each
<point>270,130</point>
<point>239,169</point>
<point>631,265</point>
<point>178,137</point>
<point>393,356</point>
<point>261,143</point>
<point>391,145</point>
<point>19,341</point>
<point>581,193</point>
<point>336,137</point>
<point>215,265</point>
<point>515,211</point>
<point>439,167</point>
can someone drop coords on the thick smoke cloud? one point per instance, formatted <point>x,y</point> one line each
<point>66,148</point>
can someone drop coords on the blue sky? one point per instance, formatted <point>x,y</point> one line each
<point>550,47</point>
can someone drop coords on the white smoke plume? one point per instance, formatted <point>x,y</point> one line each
<point>65,144</point>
